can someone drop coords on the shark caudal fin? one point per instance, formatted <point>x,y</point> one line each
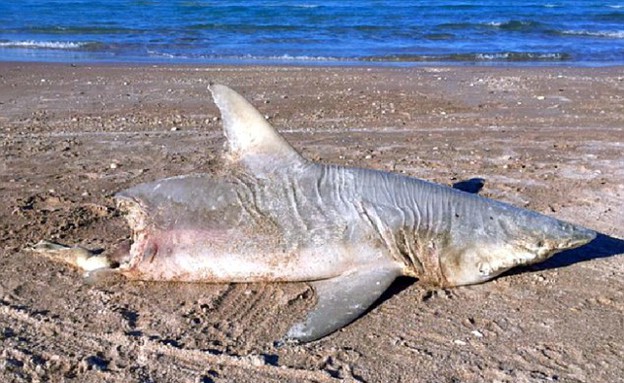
<point>251,140</point>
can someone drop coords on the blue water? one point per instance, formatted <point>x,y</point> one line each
<point>314,31</point>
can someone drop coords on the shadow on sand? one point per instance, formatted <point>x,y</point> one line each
<point>473,185</point>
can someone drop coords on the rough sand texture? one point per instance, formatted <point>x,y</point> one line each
<point>549,139</point>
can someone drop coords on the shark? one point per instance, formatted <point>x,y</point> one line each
<point>266,214</point>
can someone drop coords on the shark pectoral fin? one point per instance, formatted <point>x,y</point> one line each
<point>251,140</point>
<point>341,300</point>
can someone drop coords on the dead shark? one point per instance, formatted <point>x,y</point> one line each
<point>269,215</point>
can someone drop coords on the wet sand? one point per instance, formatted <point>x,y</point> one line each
<point>547,139</point>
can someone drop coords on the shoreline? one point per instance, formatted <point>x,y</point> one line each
<point>322,62</point>
<point>322,65</point>
<point>613,69</point>
<point>545,139</point>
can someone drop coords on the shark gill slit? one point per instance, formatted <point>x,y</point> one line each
<point>408,232</point>
<point>295,202</point>
<point>398,243</point>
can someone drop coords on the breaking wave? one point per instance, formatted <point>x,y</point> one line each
<point>516,25</point>
<point>478,57</point>
<point>31,44</point>
<point>605,34</point>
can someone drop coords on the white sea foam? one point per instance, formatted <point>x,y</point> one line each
<point>303,58</point>
<point>284,57</point>
<point>153,53</point>
<point>607,34</point>
<point>41,44</point>
<point>518,56</point>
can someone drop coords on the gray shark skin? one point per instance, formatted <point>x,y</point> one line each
<point>269,215</point>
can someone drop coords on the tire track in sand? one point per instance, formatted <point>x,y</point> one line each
<point>70,351</point>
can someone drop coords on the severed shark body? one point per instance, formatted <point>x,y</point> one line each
<point>269,215</point>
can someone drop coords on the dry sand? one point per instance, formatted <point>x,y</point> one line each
<point>548,139</point>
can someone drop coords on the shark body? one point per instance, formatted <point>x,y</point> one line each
<point>269,215</point>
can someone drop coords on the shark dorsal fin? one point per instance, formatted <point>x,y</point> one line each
<point>251,140</point>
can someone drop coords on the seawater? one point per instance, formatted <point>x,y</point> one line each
<point>313,32</point>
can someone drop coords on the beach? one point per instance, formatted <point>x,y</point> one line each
<point>549,139</point>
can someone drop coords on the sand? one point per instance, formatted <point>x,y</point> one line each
<point>547,139</point>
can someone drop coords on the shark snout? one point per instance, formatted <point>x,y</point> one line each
<point>575,236</point>
<point>560,236</point>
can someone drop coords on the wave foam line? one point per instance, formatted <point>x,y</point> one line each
<point>607,34</point>
<point>42,44</point>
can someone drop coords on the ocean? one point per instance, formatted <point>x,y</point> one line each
<point>315,32</point>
